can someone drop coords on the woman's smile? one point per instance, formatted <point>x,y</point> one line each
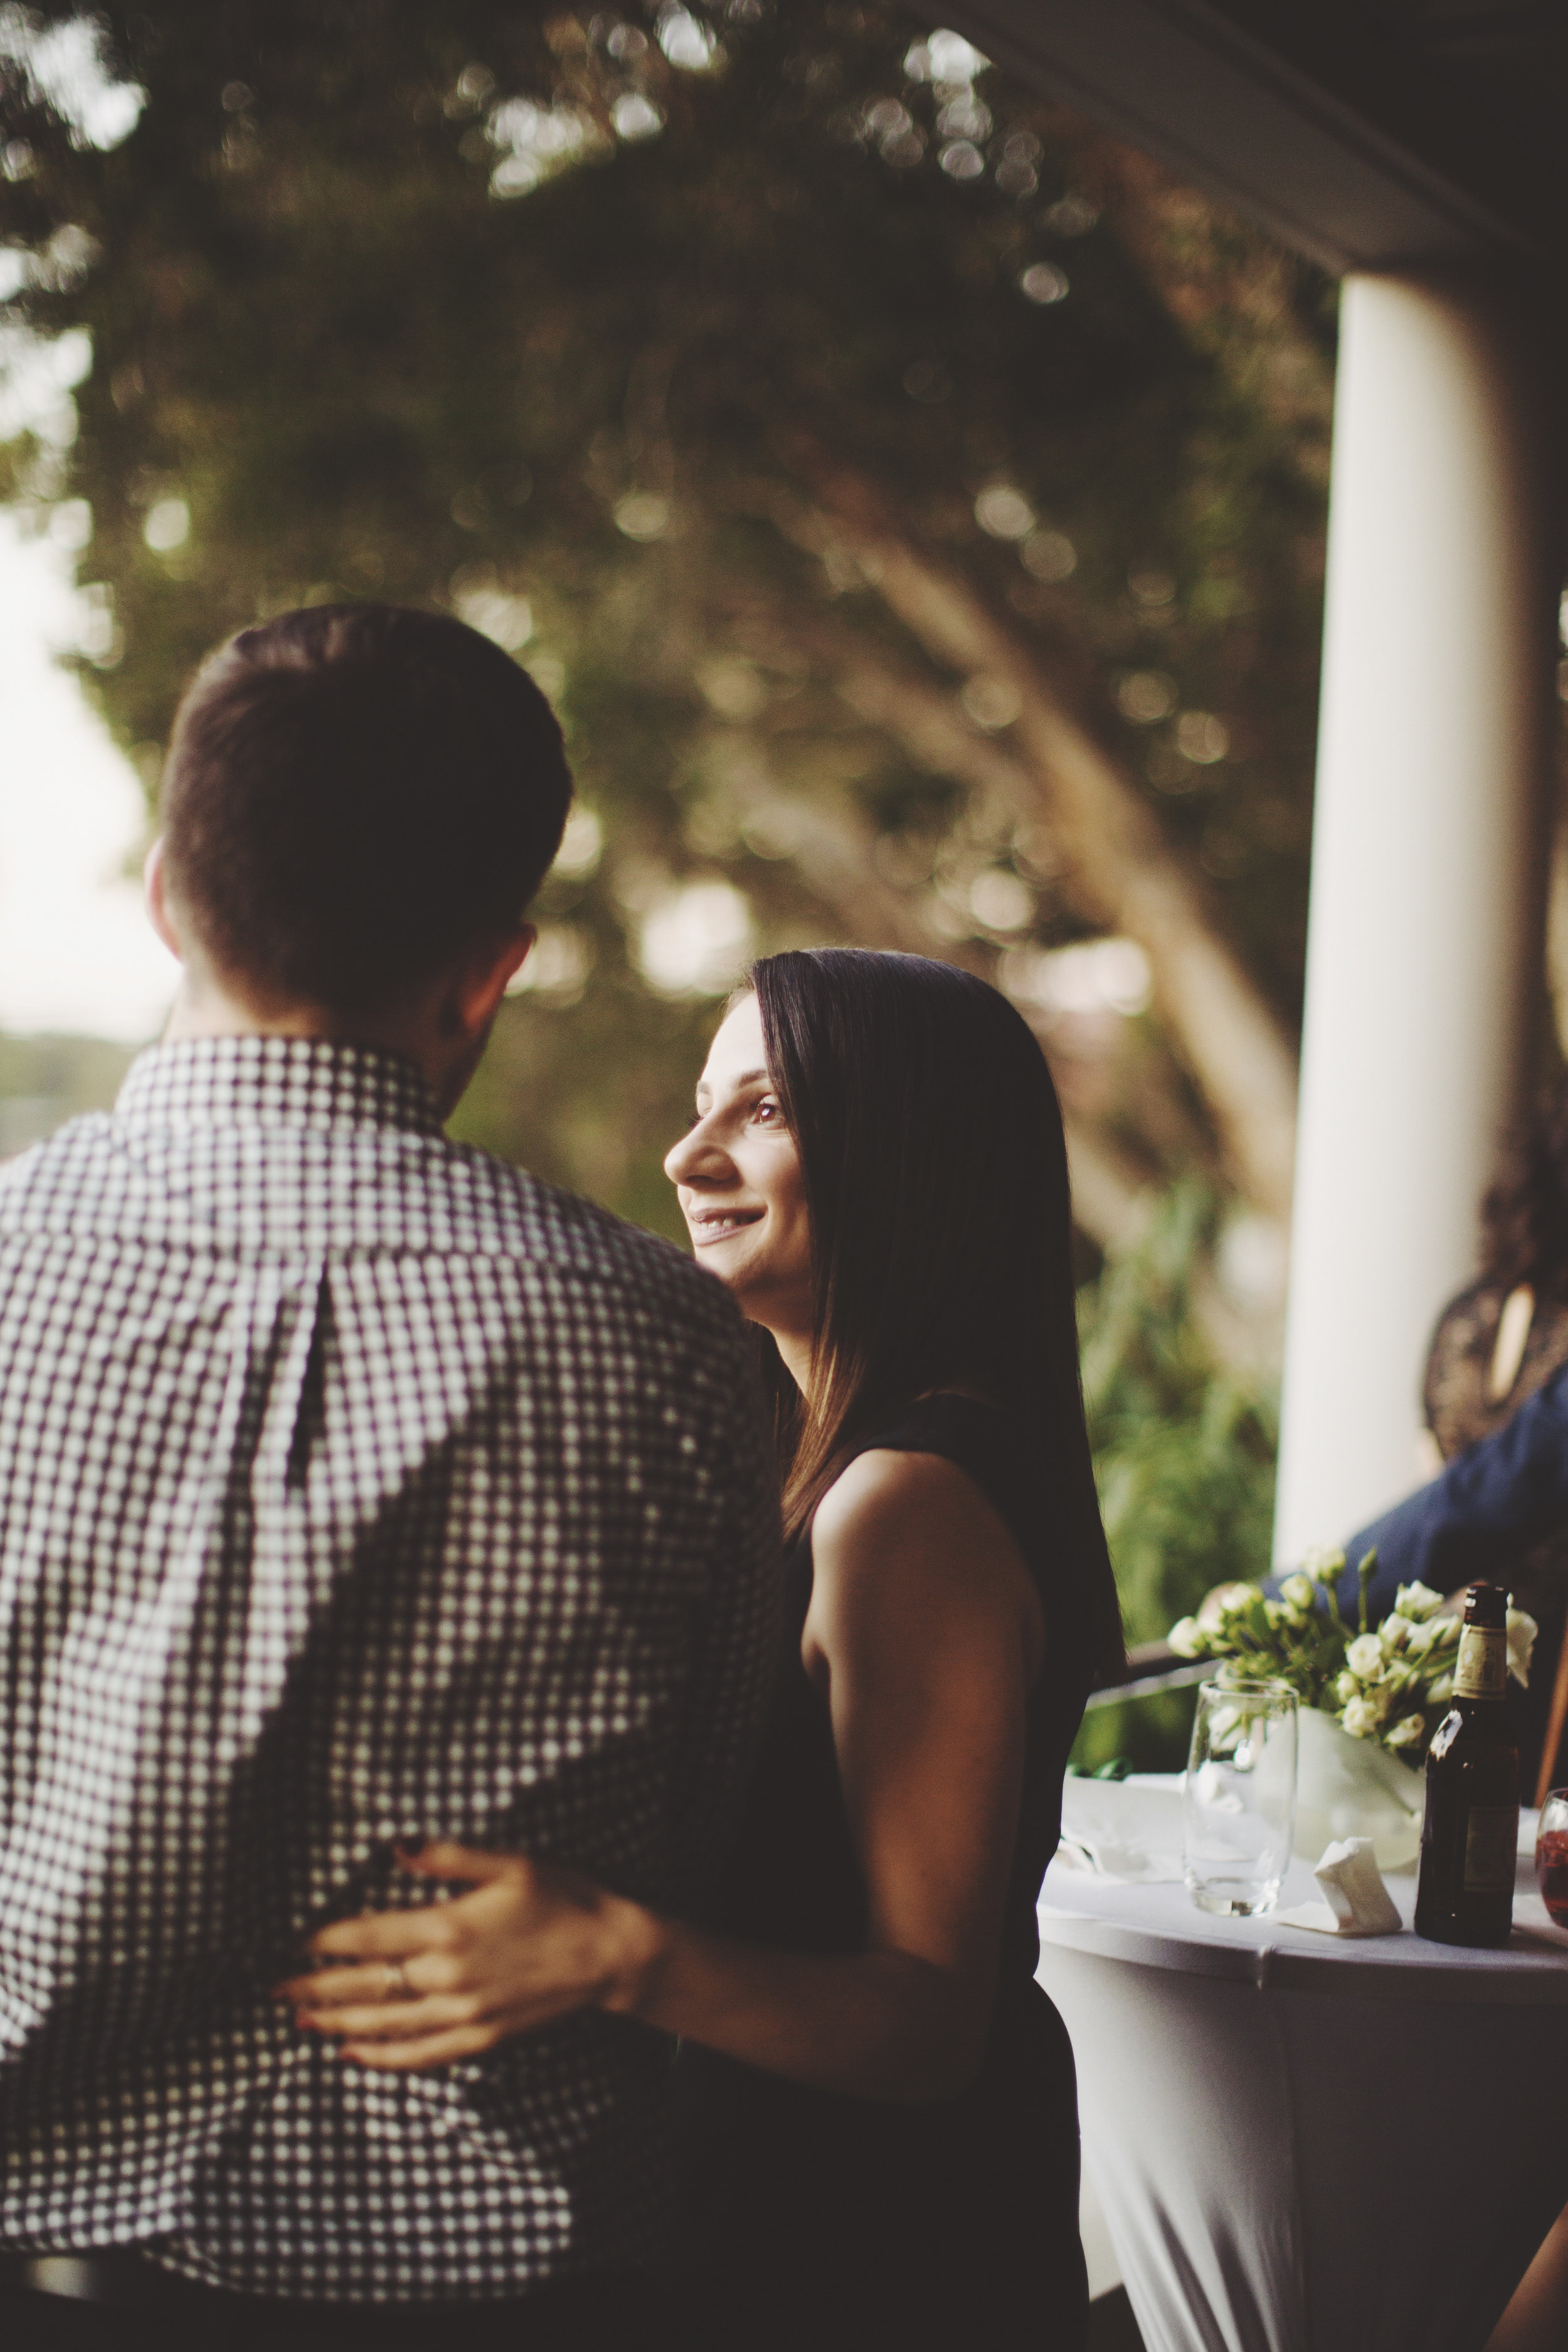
<point>710,1225</point>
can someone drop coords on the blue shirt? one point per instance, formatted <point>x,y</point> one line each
<point>1482,1512</point>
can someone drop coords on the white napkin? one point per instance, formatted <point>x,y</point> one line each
<point>1129,1831</point>
<point>1359,1903</point>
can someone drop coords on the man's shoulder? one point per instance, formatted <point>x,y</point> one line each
<point>393,1191</point>
<point>48,1165</point>
<point>508,1209</point>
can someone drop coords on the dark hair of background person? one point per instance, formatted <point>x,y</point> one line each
<point>936,1182</point>
<point>353,794</point>
<point>1525,1216</point>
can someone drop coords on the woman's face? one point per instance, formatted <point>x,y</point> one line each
<point>738,1175</point>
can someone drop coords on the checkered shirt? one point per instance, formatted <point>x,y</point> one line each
<point>353,1487</point>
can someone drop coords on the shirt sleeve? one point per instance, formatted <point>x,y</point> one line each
<point>1480,1513</point>
<point>735,1634</point>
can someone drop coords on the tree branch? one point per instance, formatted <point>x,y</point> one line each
<point>1125,868</point>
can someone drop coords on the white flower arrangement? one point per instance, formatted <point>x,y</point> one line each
<point>1393,1685</point>
<point>1398,1682</point>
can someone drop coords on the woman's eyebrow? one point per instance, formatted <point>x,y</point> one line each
<point>731,1085</point>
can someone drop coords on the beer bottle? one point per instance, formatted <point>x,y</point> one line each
<point>1470,1835</point>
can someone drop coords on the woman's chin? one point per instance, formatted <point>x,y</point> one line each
<point>739,1278</point>
<point>724,1256</point>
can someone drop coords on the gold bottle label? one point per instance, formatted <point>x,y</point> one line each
<point>1481,1671</point>
<point>1491,1846</point>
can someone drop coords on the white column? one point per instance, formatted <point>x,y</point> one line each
<point>1429,857</point>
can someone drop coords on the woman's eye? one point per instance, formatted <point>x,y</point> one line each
<point>769,1113</point>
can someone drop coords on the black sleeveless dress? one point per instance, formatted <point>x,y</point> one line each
<point>817,2219</point>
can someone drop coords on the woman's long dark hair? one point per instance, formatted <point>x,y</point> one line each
<point>935,1171</point>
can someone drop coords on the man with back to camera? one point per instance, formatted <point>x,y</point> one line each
<point>354,1488</point>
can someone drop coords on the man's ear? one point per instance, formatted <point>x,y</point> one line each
<point>155,889</point>
<point>483,981</point>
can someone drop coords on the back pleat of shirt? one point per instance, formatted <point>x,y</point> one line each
<point>354,1488</point>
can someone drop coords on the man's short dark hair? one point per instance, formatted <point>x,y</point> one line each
<point>353,794</point>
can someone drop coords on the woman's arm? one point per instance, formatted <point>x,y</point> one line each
<point>924,1634</point>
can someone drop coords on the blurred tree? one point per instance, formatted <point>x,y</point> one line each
<point>912,500</point>
<point>777,381</point>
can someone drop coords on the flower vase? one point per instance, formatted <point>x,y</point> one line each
<point>1352,1788</point>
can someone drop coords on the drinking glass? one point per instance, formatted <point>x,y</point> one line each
<point>1238,1801</point>
<point>1552,1855</point>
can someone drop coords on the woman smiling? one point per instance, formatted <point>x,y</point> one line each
<point>878,2104</point>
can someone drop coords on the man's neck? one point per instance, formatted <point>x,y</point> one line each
<point>203,1008</point>
<point>209,1012</point>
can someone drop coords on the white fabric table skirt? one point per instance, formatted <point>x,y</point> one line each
<point>1303,2143</point>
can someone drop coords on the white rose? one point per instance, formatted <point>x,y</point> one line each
<point>1298,1591</point>
<point>1442,1689</point>
<point>1364,1658</point>
<point>1393,1632</point>
<point>1417,1600</point>
<point>1360,1719</point>
<point>1346,1689</point>
<point>1406,1731</point>
<point>1523,1630</point>
<point>1224,1600</point>
<point>1186,1638</point>
<point>1324,1564</point>
<point>1423,1636</point>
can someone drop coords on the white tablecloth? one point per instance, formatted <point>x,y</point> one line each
<point>1308,2144</point>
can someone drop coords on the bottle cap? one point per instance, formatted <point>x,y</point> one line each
<point>1486,1604</point>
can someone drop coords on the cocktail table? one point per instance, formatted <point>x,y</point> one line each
<point>1308,2144</point>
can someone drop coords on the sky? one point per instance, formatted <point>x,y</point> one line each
<point>76,952</point>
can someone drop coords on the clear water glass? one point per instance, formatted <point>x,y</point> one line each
<point>1238,1801</point>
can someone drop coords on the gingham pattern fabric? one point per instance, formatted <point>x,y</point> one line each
<point>353,1487</point>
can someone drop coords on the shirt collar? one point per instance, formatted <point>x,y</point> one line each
<point>276,1082</point>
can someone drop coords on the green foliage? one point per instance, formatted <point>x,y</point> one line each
<point>1147,1735</point>
<point>594,413</point>
<point>1183,1448</point>
<point>1183,1456</point>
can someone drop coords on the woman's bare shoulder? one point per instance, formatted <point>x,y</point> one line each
<point>887,1485</point>
<point>906,1547</point>
<point>918,1511</point>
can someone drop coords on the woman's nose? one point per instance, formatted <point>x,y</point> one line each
<point>696,1157</point>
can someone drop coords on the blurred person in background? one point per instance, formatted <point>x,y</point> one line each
<point>1496,1404</point>
<point>878,2101</point>
<point>352,1485</point>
